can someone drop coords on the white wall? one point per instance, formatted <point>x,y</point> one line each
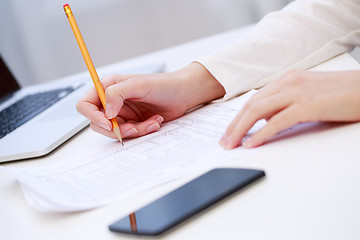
<point>37,42</point>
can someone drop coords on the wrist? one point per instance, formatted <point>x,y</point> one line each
<point>198,85</point>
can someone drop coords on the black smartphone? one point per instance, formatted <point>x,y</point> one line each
<point>186,201</point>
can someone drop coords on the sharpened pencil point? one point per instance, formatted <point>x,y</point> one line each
<point>117,133</point>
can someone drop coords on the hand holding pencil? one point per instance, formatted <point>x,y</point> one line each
<point>142,102</point>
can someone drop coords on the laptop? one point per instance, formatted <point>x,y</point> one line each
<point>34,120</point>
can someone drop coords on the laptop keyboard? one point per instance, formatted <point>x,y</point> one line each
<point>28,107</point>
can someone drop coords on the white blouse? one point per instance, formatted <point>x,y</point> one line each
<point>303,34</point>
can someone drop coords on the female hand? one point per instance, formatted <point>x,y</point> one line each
<point>298,96</point>
<point>142,102</point>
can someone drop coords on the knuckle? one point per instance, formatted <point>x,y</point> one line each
<point>293,77</point>
<point>247,105</point>
<point>107,78</point>
<point>110,79</point>
<point>255,108</point>
<point>110,91</point>
<point>250,103</point>
<point>275,125</point>
<point>272,127</point>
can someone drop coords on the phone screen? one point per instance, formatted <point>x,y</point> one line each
<point>184,202</point>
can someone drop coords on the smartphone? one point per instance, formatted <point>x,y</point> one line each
<point>186,201</point>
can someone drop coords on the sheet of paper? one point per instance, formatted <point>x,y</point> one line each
<point>113,172</point>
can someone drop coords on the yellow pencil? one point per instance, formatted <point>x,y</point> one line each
<point>90,65</point>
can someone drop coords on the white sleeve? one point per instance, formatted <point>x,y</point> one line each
<point>302,35</point>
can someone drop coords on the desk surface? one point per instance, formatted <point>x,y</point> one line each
<point>311,190</point>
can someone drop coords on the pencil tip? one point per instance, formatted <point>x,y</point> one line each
<point>117,133</point>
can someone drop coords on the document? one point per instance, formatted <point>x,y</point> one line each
<point>113,172</point>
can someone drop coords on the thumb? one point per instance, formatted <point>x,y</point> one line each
<point>117,93</point>
<point>113,105</point>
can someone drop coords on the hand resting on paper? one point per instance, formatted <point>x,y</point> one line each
<point>298,96</point>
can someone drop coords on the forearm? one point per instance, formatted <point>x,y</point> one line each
<point>300,36</point>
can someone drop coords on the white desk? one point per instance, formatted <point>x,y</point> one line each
<point>311,191</point>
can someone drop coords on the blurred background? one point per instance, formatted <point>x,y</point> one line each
<point>38,44</point>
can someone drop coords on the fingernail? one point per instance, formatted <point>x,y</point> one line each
<point>153,127</point>
<point>110,111</point>
<point>222,140</point>
<point>160,119</point>
<point>130,132</point>
<point>225,140</point>
<point>248,143</point>
<point>104,126</point>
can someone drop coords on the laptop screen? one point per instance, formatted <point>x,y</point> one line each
<point>8,83</point>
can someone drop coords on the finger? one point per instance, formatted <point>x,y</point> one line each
<point>280,121</point>
<point>89,100</point>
<point>286,81</point>
<point>103,131</point>
<point>259,96</point>
<point>137,129</point>
<point>92,96</point>
<point>114,79</point>
<point>271,89</point>
<point>117,93</point>
<point>268,90</point>
<point>91,103</point>
<point>245,120</point>
<point>131,129</point>
<point>130,112</point>
<point>88,107</point>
